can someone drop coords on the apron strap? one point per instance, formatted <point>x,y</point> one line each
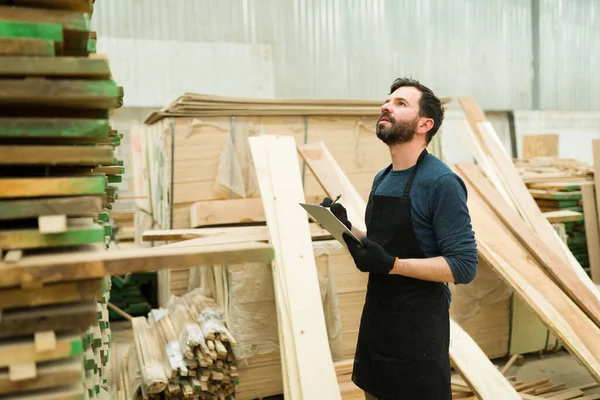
<point>378,182</point>
<point>409,182</point>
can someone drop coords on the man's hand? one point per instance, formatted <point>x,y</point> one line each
<point>338,210</point>
<point>370,256</point>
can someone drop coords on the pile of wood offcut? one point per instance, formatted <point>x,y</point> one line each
<point>183,351</point>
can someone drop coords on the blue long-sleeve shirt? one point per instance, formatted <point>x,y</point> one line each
<point>440,215</point>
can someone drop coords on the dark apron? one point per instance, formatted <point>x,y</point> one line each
<point>403,341</point>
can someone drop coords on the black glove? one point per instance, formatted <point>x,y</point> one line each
<point>338,210</point>
<point>370,256</point>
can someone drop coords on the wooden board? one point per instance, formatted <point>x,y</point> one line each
<point>57,293</point>
<point>458,352</point>
<point>592,231</point>
<point>521,198</point>
<point>47,187</point>
<point>596,154</point>
<point>33,208</point>
<point>75,392</point>
<point>554,195</point>
<point>332,179</point>
<point>33,30</point>
<point>237,211</point>
<point>26,47</point>
<point>33,238</point>
<point>76,25</point>
<point>540,146</point>
<point>528,333</point>
<point>39,128</point>
<point>60,92</point>
<point>75,317</point>
<point>55,155</point>
<point>73,5</point>
<point>55,67</point>
<point>517,267</point>
<point>289,233</point>
<point>481,375</point>
<point>42,269</point>
<point>48,375</point>
<point>563,216</point>
<point>23,350</point>
<point>555,267</point>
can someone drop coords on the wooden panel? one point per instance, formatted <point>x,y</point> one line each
<point>296,273</point>
<point>592,231</point>
<point>58,293</point>
<point>26,47</point>
<point>528,333</point>
<point>65,67</point>
<point>558,269</point>
<point>516,266</point>
<point>480,374</point>
<point>33,208</point>
<point>540,146</point>
<point>46,187</point>
<point>62,93</point>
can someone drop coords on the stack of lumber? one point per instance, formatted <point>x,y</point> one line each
<point>517,240</point>
<point>546,169</point>
<point>124,228</point>
<point>57,164</point>
<point>182,352</point>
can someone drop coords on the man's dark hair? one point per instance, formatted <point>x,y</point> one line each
<point>429,105</point>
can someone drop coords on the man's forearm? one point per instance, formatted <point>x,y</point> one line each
<point>428,269</point>
<point>358,233</point>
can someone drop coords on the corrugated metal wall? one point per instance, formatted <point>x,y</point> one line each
<point>353,48</point>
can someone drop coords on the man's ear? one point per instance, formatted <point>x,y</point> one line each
<point>425,125</point>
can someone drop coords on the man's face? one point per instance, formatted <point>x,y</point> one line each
<point>399,117</point>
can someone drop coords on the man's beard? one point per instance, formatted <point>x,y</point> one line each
<point>397,132</point>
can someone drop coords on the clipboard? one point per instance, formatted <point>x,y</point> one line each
<point>329,222</point>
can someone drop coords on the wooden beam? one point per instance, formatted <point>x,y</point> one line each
<point>23,350</point>
<point>33,238</point>
<point>55,67</point>
<point>519,270</point>
<point>56,293</point>
<point>295,273</point>
<point>39,128</point>
<point>481,375</point>
<point>26,47</point>
<point>43,269</point>
<point>75,392</point>
<point>554,266</point>
<point>49,375</point>
<point>84,6</point>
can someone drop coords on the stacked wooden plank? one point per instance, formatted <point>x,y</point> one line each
<point>57,165</point>
<point>517,240</point>
<point>182,352</point>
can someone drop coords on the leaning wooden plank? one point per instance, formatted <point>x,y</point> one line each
<point>75,317</point>
<point>76,25</point>
<point>75,392</point>
<point>55,155</point>
<point>26,47</point>
<point>287,347</point>
<point>33,238</point>
<point>526,205</point>
<point>23,350</point>
<point>592,231</point>
<point>60,92</point>
<point>56,293</point>
<point>49,374</point>
<point>54,128</point>
<point>46,187</point>
<point>330,176</point>
<point>42,269</point>
<point>236,211</point>
<point>222,235</point>
<point>55,67</point>
<point>33,208</point>
<point>458,353</point>
<point>72,5</point>
<point>516,266</point>
<point>554,266</point>
<point>482,376</point>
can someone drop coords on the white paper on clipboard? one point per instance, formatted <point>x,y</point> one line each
<point>329,222</point>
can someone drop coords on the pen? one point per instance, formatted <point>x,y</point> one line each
<point>337,198</point>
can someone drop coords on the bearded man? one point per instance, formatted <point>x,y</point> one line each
<point>419,238</point>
